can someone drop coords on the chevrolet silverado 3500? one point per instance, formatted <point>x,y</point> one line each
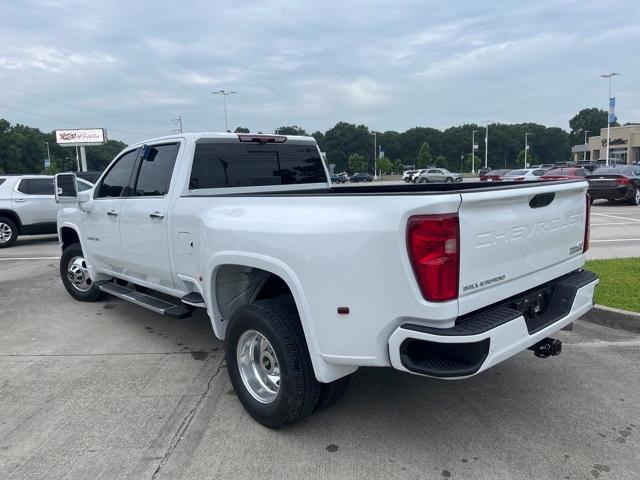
<point>305,282</point>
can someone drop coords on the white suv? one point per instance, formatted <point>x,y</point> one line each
<point>28,207</point>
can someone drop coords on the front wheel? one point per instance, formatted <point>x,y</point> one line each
<point>75,275</point>
<point>269,364</point>
<point>635,200</point>
<point>449,180</point>
<point>424,180</point>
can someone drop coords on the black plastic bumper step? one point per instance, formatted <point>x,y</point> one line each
<point>147,301</point>
<point>194,299</point>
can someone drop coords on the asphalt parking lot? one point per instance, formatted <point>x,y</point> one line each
<point>109,390</point>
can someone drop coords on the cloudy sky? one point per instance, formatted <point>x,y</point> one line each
<point>133,66</point>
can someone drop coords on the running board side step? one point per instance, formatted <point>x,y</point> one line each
<point>157,305</point>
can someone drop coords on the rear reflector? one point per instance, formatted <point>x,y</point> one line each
<point>587,225</point>
<point>433,244</point>
<point>262,138</point>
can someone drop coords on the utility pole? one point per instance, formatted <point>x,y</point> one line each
<point>584,153</point>
<point>609,76</point>
<point>486,144</point>
<point>473,151</point>
<point>177,121</point>
<point>375,153</point>
<point>224,94</point>
<point>526,148</point>
<point>48,153</point>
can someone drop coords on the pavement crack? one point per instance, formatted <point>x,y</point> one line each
<point>186,422</point>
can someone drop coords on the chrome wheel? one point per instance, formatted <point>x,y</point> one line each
<point>5,232</point>
<point>258,365</point>
<point>637,197</point>
<point>78,274</point>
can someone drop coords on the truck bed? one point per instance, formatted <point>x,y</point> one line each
<point>377,189</point>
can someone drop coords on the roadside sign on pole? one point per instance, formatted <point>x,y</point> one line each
<point>612,110</point>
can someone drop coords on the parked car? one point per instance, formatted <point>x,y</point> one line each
<point>483,171</point>
<point>565,173</point>
<point>494,175</point>
<point>338,179</point>
<point>616,182</point>
<point>469,274</point>
<point>545,166</point>
<point>361,177</point>
<point>28,206</point>
<point>435,175</point>
<point>526,174</point>
<point>408,175</point>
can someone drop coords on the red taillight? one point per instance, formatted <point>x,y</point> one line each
<point>262,138</point>
<point>623,181</point>
<point>433,243</point>
<point>587,225</point>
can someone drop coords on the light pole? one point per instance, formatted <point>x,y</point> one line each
<point>48,152</point>
<point>584,153</point>
<point>224,94</point>
<point>486,144</point>
<point>473,151</point>
<point>375,153</point>
<point>526,147</point>
<point>609,76</point>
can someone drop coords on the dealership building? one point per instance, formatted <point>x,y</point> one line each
<point>624,146</point>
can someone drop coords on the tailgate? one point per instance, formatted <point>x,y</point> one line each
<point>514,239</point>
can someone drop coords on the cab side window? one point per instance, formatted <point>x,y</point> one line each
<point>116,181</point>
<point>156,169</point>
<point>36,186</point>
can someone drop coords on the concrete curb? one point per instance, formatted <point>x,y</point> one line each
<point>613,318</point>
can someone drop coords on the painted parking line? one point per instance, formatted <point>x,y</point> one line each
<point>612,223</point>
<point>28,258</point>
<point>618,218</point>
<point>616,240</point>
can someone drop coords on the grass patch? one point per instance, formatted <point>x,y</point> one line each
<point>619,285</point>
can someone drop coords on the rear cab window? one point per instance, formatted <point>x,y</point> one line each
<point>253,164</point>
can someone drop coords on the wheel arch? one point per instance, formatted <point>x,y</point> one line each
<point>68,236</point>
<point>235,279</point>
<point>13,216</point>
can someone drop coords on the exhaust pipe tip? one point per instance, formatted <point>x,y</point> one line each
<point>548,347</point>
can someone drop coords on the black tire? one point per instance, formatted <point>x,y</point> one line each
<point>635,199</point>
<point>93,293</point>
<point>424,180</point>
<point>449,180</point>
<point>13,235</point>
<point>331,392</point>
<point>298,389</point>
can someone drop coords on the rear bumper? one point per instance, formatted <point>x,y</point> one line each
<point>613,193</point>
<point>483,339</point>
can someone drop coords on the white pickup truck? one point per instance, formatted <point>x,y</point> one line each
<point>305,282</point>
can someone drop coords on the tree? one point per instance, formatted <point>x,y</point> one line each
<point>440,161</point>
<point>357,163</point>
<point>344,139</point>
<point>531,159</point>
<point>424,156</point>
<point>242,130</point>
<point>385,165</point>
<point>292,130</point>
<point>587,119</point>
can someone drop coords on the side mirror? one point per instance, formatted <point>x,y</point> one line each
<point>66,191</point>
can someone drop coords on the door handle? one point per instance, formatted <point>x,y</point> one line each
<point>112,213</point>
<point>156,214</point>
<point>19,200</point>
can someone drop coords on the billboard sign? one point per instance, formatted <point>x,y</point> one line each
<point>81,136</point>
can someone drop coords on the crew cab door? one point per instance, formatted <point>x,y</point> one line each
<point>144,222</point>
<point>34,202</point>
<point>102,223</point>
